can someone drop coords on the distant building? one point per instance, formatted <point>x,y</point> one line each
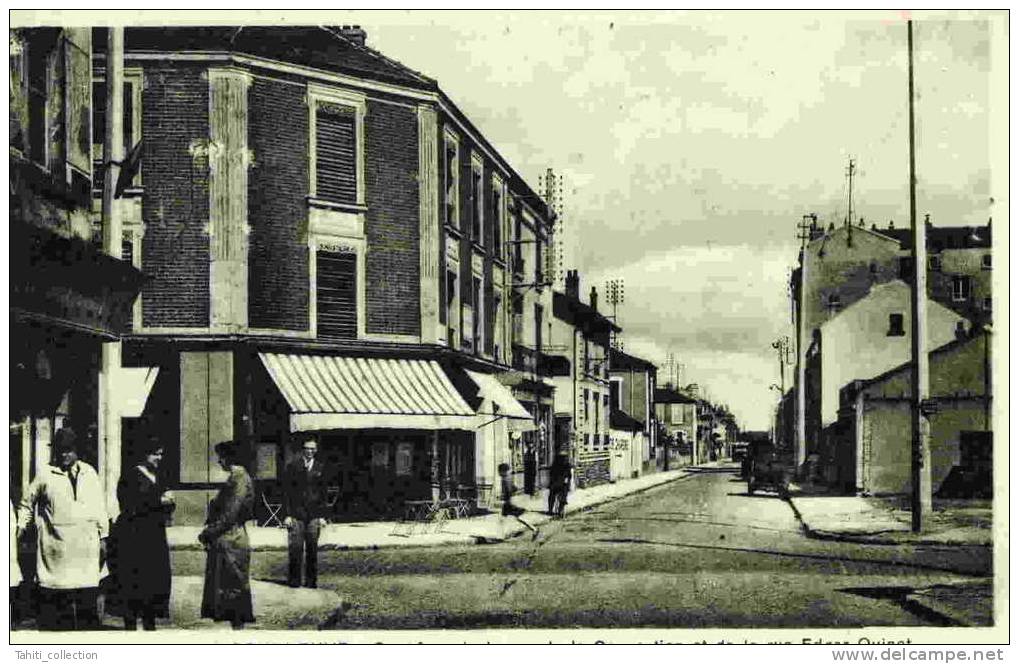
<point>872,438</point>
<point>632,391</point>
<point>840,265</point>
<point>679,415</point>
<point>582,397</point>
<point>868,338</point>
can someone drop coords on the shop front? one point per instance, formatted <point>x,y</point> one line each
<point>66,299</point>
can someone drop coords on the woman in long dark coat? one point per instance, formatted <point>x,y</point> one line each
<point>141,556</point>
<point>227,592</point>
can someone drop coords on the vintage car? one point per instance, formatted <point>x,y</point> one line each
<point>766,469</point>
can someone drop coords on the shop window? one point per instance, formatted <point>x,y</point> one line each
<point>336,295</point>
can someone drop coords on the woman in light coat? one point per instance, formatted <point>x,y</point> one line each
<point>227,592</point>
<point>66,504</point>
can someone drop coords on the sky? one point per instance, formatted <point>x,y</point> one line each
<point>691,144</point>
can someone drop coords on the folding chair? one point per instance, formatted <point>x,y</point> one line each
<point>272,511</point>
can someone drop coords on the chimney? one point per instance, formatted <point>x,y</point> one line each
<point>594,298</point>
<point>353,33</point>
<point>572,284</point>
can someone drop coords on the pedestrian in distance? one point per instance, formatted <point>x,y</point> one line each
<point>560,474</point>
<point>508,489</point>
<point>227,592</point>
<point>140,556</point>
<point>305,488</point>
<point>66,505</point>
<point>530,469</point>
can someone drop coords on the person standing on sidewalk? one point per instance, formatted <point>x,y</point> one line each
<point>305,485</point>
<point>141,555</point>
<point>227,591</point>
<point>65,503</point>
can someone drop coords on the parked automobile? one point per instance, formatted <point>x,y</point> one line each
<point>766,469</point>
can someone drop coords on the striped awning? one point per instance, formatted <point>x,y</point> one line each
<point>328,392</point>
<point>505,404</point>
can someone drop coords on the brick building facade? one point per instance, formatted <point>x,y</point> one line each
<point>320,263</point>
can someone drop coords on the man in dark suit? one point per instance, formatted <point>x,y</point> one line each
<point>304,502</point>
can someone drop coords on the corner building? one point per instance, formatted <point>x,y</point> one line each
<point>327,241</point>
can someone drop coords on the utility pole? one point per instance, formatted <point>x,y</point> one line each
<point>806,226</point>
<point>849,219</point>
<point>921,467</point>
<point>782,346</point>
<point>113,154</point>
<point>615,294</point>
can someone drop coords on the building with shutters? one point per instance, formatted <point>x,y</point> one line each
<point>67,297</point>
<point>582,395</point>
<point>332,249</point>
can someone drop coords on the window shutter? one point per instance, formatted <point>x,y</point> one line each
<point>337,295</point>
<point>335,154</point>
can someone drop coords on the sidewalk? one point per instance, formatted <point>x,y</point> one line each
<point>871,520</point>
<point>474,530</point>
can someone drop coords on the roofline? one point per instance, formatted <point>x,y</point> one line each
<point>430,90</point>
<point>827,234</point>
<point>982,332</point>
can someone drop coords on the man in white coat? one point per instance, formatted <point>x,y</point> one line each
<point>65,502</point>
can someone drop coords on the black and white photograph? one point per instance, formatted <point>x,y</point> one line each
<point>509,326</point>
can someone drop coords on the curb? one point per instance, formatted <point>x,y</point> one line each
<point>880,538</point>
<point>458,539</point>
<point>544,518</point>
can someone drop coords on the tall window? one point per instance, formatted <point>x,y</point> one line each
<point>960,288</point>
<point>497,219</point>
<point>336,153</point>
<point>985,262</point>
<point>132,124</point>
<point>539,315</point>
<point>451,182</point>
<point>478,204</point>
<point>478,329</point>
<point>615,394</point>
<point>833,303</point>
<point>586,397</point>
<point>38,70</point>
<point>452,319</point>
<point>539,268</point>
<point>500,329</point>
<point>336,294</point>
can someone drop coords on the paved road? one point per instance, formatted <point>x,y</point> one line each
<point>698,552</point>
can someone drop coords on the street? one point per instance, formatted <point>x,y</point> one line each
<point>698,552</point>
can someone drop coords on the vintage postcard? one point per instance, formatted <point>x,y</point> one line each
<point>433,326</point>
